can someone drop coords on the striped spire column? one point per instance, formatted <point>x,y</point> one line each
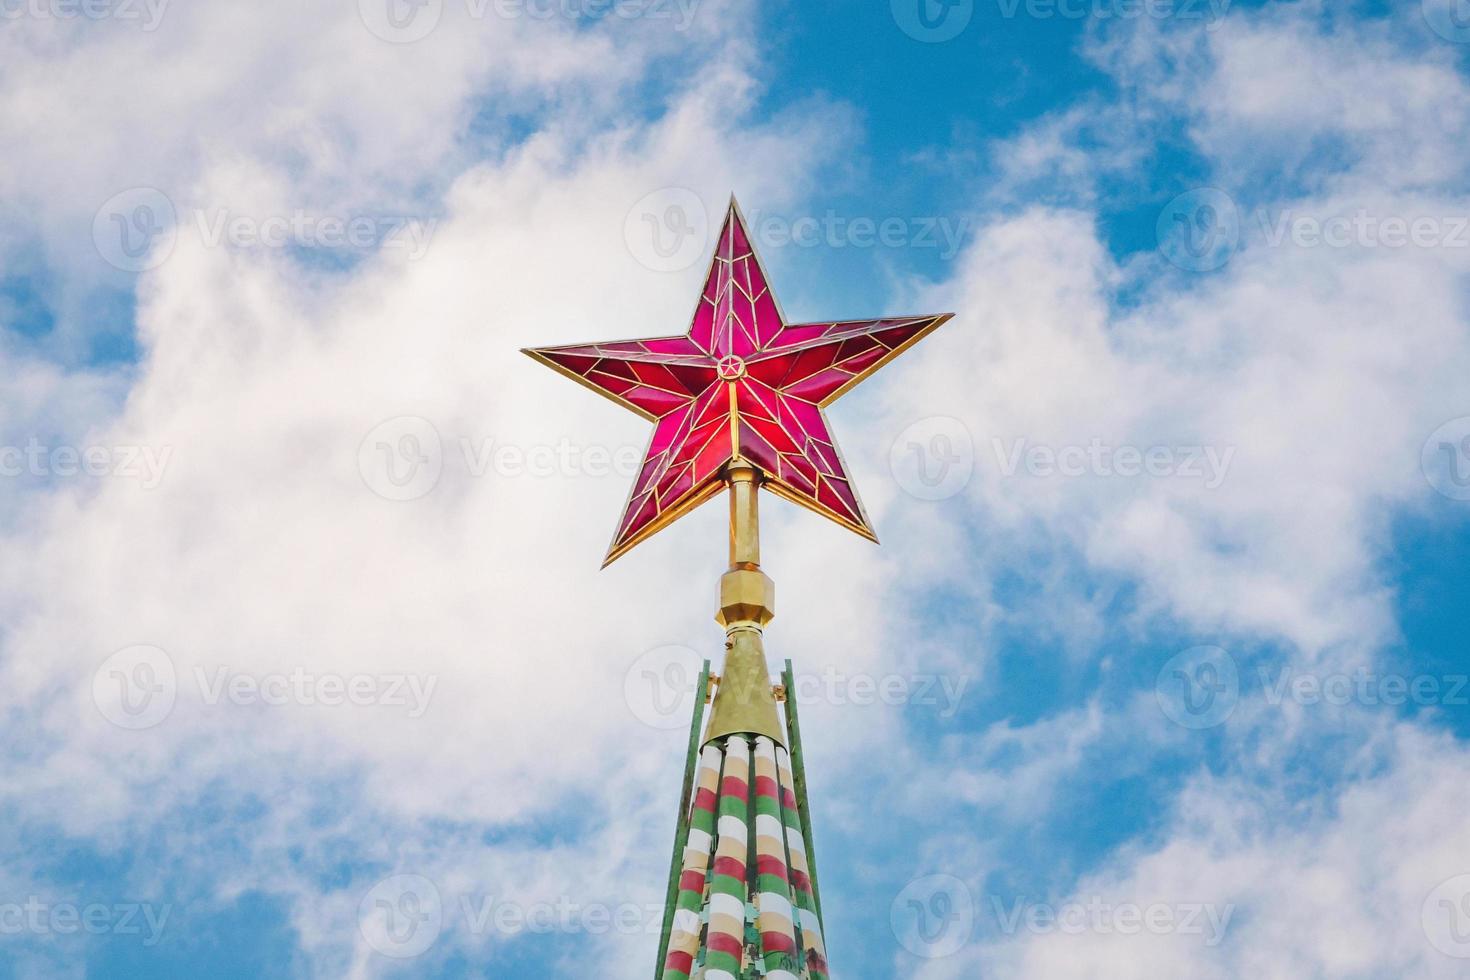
<point>746,903</point>
<point>814,953</point>
<point>728,887</point>
<point>777,927</point>
<point>688,915</point>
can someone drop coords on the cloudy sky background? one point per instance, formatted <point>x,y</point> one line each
<point>264,271</point>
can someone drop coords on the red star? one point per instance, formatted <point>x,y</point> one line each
<point>741,383</point>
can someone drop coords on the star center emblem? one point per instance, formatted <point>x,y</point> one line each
<point>731,368</point>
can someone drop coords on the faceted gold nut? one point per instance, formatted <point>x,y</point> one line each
<point>746,596</point>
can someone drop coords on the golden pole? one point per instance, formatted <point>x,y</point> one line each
<point>745,702</point>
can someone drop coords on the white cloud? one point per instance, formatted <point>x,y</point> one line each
<point>265,551</point>
<point>1324,368</point>
<point>1339,890</point>
<point>282,106</point>
<point>1317,371</point>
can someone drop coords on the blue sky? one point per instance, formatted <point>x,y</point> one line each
<point>279,453</point>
